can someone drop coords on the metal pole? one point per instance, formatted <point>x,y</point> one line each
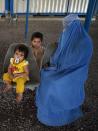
<point>90,13</point>
<point>96,10</point>
<point>6,6</point>
<point>27,16</point>
<point>68,2</point>
<point>11,7</point>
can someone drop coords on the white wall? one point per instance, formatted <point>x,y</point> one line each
<point>79,6</point>
<point>51,6</point>
<point>2,6</point>
<point>48,6</point>
<point>20,6</point>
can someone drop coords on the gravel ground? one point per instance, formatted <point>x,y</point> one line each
<point>22,117</point>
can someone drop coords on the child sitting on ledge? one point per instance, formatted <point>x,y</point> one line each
<point>18,71</point>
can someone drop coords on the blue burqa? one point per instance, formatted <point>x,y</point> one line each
<point>61,91</point>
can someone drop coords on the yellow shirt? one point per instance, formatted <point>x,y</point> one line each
<point>18,68</point>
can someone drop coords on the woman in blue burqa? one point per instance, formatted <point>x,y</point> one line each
<point>61,91</point>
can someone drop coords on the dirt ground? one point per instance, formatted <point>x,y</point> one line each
<point>22,117</point>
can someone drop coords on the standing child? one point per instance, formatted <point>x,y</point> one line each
<point>37,48</point>
<point>17,71</point>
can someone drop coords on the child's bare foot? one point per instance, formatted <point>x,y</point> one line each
<point>5,88</point>
<point>19,98</point>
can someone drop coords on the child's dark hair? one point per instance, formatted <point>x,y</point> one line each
<point>37,35</point>
<point>22,48</point>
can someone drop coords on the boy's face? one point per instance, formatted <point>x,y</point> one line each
<point>36,42</point>
<point>18,56</point>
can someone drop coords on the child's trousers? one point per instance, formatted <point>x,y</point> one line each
<point>20,82</point>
